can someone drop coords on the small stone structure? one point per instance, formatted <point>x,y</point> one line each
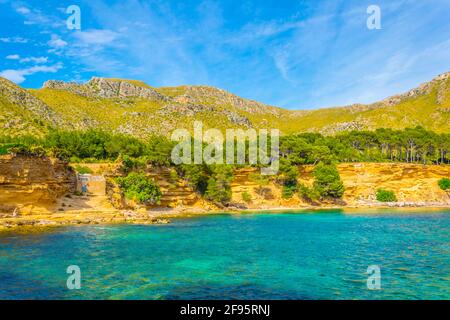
<point>94,185</point>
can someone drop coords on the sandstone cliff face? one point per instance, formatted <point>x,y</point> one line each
<point>33,183</point>
<point>413,184</point>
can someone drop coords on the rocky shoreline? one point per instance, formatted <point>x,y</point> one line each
<point>38,222</point>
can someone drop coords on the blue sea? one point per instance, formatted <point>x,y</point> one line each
<point>295,255</point>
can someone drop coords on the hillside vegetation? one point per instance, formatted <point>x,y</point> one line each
<point>135,108</point>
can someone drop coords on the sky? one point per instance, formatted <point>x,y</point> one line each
<point>296,54</point>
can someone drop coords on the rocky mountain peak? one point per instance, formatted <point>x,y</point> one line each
<point>119,88</point>
<point>108,88</point>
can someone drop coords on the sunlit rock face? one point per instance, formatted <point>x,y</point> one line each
<point>36,182</point>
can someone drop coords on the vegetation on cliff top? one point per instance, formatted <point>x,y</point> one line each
<point>412,145</point>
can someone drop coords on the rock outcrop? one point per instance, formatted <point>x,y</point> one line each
<point>33,182</point>
<point>108,88</point>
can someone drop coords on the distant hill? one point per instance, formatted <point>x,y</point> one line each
<point>133,107</point>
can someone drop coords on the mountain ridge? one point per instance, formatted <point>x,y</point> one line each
<point>136,108</point>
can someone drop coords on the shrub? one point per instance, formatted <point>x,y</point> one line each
<point>328,181</point>
<point>140,188</point>
<point>3,150</point>
<point>219,185</point>
<point>287,177</point>
<point>288,190</point>
<point>196,175</point>
<point>444,184</point>
<point>246,197</point>
<point>130,164</point>
<point>386,196</point>
<point>309,194</point>
<point>83,170</point>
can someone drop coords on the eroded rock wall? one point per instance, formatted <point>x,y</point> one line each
<point>33,182</point>
<point>413,184</point>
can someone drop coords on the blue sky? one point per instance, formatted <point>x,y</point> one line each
<point>298,54</point>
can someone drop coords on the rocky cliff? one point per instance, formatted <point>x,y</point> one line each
<point>38,184</point>
<point>108,88</point>
<point>32,183</point>
<point>413,184</point>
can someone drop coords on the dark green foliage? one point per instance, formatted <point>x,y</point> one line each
<point>129,163</point>
<point>219,184</point>
<point>444,184</point>
<point>308,194</point>
<point>289,190</point>
<point>287,177</point>
<point>412,145</point>
<point>197,176</point>
<point>386,196</point>
<point>140,188</point>
<point>213,181</point>
<point>158,150</point>
<point>327,182</point>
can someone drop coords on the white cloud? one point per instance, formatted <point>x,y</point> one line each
<point>14,40</point>
<point>18,76</point>
<point>96,36</point>
<point>38,60</point>
<point>56,42</point>
<point>36,17</point>
<point>13,57</point>
<point>23,10</point>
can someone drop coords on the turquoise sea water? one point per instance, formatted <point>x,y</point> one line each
<point>321,255</point>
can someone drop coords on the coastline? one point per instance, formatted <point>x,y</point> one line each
<point>40,222</point>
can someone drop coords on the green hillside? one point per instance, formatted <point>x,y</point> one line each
<point>135,108</point>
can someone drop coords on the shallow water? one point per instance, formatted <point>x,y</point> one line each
<point>320,255</point>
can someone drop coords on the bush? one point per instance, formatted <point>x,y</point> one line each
<point>140,188</point>
<point>83,170</point>
<point>328,181</point>
<point>129,164</point>
<point>246,197</point>
<point>386,196</point>
<point>287,177</point>
<point>196,175</point>
<point>309,194</point>
<point>219,185</point>
<point>288,190</point>
<point>444,184</point>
